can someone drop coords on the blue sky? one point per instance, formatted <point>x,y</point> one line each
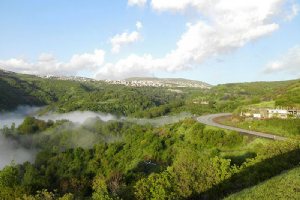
<point>217,43</point>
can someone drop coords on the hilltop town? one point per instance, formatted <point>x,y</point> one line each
<point>139,82</point>
<point>160,82</point>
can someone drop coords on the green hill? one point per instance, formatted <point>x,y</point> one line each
<point>172,82</point>
<point>71,95</point>
<point>284,93</point>
<point>290,96</point>
<point>284,186</point>
<point>124,160</point>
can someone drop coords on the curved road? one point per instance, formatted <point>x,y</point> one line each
<point>209,120</point>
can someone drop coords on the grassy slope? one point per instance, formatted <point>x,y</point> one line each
<point>284,186</point>
<point>284,93</point>
<point>282,127</point>
<point>291,96</point>
<point>229,97</point>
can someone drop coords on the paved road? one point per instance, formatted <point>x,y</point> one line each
<point>209,120</point>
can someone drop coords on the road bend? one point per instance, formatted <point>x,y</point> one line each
<point>209,120</point>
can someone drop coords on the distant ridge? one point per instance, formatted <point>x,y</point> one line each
<point>5,71</point>
<point>134,81</point>
<point>168,82</point>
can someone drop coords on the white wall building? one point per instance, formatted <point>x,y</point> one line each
<point>267,113</point>
<point>257,115</point>
<point>280,113</point>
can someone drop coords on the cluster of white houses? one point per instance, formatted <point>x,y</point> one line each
<point>267,113</point>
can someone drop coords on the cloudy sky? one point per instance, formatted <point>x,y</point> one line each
<point>215,41</point>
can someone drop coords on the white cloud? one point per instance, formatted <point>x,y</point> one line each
<point>293,12</point>
<point>132,66</point>
<point>120,40</point>
<point>174,5</point>
<point>125,38</point>
<point>139,25</point>
<point>222,27</point>
<point>139,3</point>
<point>87,60</point>
<point>289,62</point>
<point>47,64</point>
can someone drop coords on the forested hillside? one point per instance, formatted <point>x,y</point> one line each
<point>125,159</point>
<point>121,160</point>
<point>255,92</point>
<point>69,95</point>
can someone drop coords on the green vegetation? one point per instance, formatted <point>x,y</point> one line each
<point>290,96</point>
<point>282,127</point>
<point>111,160</point>
<point>263,104</point>
<point>131,159</point>
<point>229,97</point>
<point>284,186</point>
<point>149,102</point>
<point>66,96</point>
<point>32,125</point>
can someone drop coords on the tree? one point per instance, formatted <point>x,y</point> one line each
<point>32,125</point>
<point>100,189</point>
<point>10,184</point>
<point>156,187</point>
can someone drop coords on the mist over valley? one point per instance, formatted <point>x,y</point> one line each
<point>150,100</point>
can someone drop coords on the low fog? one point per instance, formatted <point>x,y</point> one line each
<point>70,135</point>
<point>17,116</point>
<point>160,121</point>
<point>13,152</point>
<point>77,116</point>
<point>78,133</point>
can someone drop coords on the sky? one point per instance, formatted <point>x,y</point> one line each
<point>215,41</point>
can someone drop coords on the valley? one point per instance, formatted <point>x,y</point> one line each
<point>88,139</point>
<point>150,100</point>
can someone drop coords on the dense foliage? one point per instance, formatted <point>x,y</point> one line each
<point>66,96</point>
<point>123,160</point>
<point>149,102</point>
<point>32,125</point>
<point>283,127</point>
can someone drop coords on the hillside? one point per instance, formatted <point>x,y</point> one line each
<point>290,96</point>
<point>70,95</point>
<point>65,94</point>
<point>284,93</point>
<point>126,159</point>
<point>284,186</point>
<point>16,89</point>
<point>169,82</point>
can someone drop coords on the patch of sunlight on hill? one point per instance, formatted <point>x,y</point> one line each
<point>284,186</point>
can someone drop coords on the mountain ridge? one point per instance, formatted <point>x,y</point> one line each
<point>170,82</point>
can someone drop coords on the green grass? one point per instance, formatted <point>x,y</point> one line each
<point>245,150</point>
<point>284,186</point>
<point>282,127</point>
<point>248,149</point>
<point>263,104</point>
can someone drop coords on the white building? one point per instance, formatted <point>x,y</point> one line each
<point>267,113</point>
<point>278,113</point>
<point>257,115</point>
